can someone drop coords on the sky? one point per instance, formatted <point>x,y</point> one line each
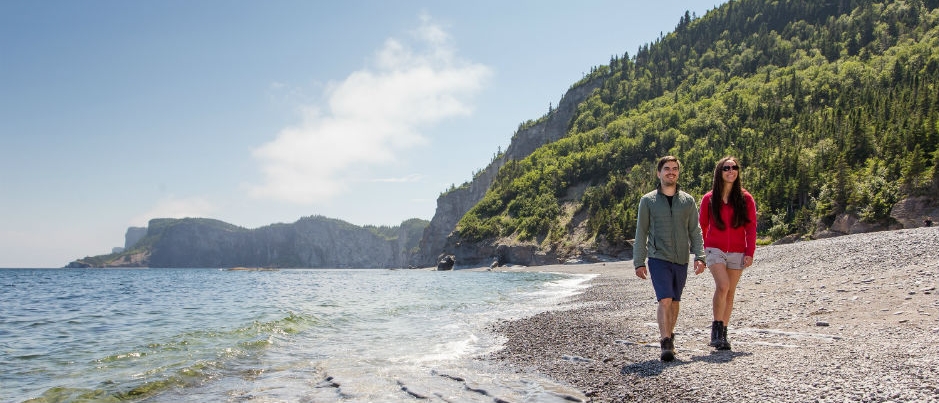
<point>116,112</point>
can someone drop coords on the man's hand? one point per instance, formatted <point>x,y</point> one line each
<point>699,267</point>
<point>641,272</point>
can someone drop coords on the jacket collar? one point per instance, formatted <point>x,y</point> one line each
<point>658,188</point>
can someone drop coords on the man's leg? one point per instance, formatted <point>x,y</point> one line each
<point>672,317</point>
<point>664,281</point>
<point>665,317</point>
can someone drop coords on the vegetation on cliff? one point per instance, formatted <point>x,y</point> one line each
<point>832,107</point>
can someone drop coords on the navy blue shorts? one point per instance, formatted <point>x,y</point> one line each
<point>668,278</point>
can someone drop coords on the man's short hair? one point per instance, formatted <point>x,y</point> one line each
<point>665,159</point>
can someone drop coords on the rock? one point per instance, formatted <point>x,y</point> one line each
<point>446,262</point>
<point>913,212</point>
<point>850,224</point>
<point>786,239</point>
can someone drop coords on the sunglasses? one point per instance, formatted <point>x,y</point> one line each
<point>726,168</point>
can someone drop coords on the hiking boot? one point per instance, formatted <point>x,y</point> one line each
<point>716,333</point>
<point>668,349</point>
<point>723,344</point>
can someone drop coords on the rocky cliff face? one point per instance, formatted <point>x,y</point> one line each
<point>134,235</point>
<point>914,211</point>
<point>312,242</point>
<point>453,205</point>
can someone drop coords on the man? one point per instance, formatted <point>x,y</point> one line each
<point>666,230</point>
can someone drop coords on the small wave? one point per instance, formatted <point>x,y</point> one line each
<point>450,350</point>
<point>256,344</point>
<point>122,356</point>
<point>63,394</point>
<point>182,377</point>
<point>184,360</point>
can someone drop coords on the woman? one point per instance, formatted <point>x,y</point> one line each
<point>728,223</point>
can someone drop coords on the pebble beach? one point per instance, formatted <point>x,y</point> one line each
<point>853,318</point>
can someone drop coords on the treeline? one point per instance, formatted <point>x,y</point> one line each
<point>832,107</point>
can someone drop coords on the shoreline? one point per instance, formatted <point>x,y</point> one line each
<point>833,319</point>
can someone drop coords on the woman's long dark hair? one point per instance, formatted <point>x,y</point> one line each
<point>736,199</point>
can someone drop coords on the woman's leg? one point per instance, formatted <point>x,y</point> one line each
<point>733,277</point>
<point>721,287</point>
<point>721,283</point>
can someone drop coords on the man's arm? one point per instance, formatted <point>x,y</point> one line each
<point>694,233</point>
<point>640,247</point>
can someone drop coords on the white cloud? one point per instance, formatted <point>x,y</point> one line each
<point>372,117</point>
<point>172,207</point>
<point>403,179</point>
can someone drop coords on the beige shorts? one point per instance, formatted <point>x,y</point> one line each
<point>732,260</point>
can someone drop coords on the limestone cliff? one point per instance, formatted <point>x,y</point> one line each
<point>134,235</point>
<point>311,242</point>
<point>451,206</point>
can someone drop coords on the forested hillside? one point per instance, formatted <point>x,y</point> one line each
<point>831,106</point>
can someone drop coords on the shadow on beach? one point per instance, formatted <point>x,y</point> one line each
<point>650,368</point>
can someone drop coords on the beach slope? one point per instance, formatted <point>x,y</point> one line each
<point>852,318</point>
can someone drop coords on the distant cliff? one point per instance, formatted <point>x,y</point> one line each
<point>311,242</point>
<point>452,205</point>
<point>134,235</point>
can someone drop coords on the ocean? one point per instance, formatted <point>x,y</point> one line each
<point>298,335</point>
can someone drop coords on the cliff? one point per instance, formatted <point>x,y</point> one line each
<point>311,242</point>
<point>134,235</point>
<point>451,206</point>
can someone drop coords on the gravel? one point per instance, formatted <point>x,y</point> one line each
<point>846,319</point>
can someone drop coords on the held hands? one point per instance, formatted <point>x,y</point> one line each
<point>699,267</point>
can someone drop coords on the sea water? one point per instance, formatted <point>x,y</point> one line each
<point>303,335</point>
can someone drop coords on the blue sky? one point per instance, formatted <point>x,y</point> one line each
<point>258,112</point>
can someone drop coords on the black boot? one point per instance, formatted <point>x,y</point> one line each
<point>716,333</point>
<point>724,344</point>
<point>668,349</point>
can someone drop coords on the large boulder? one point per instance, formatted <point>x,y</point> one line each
<point>446,262</point>
<point>914,211</point>
<point>850,224</point>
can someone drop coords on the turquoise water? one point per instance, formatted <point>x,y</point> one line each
<point>171,335</point>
